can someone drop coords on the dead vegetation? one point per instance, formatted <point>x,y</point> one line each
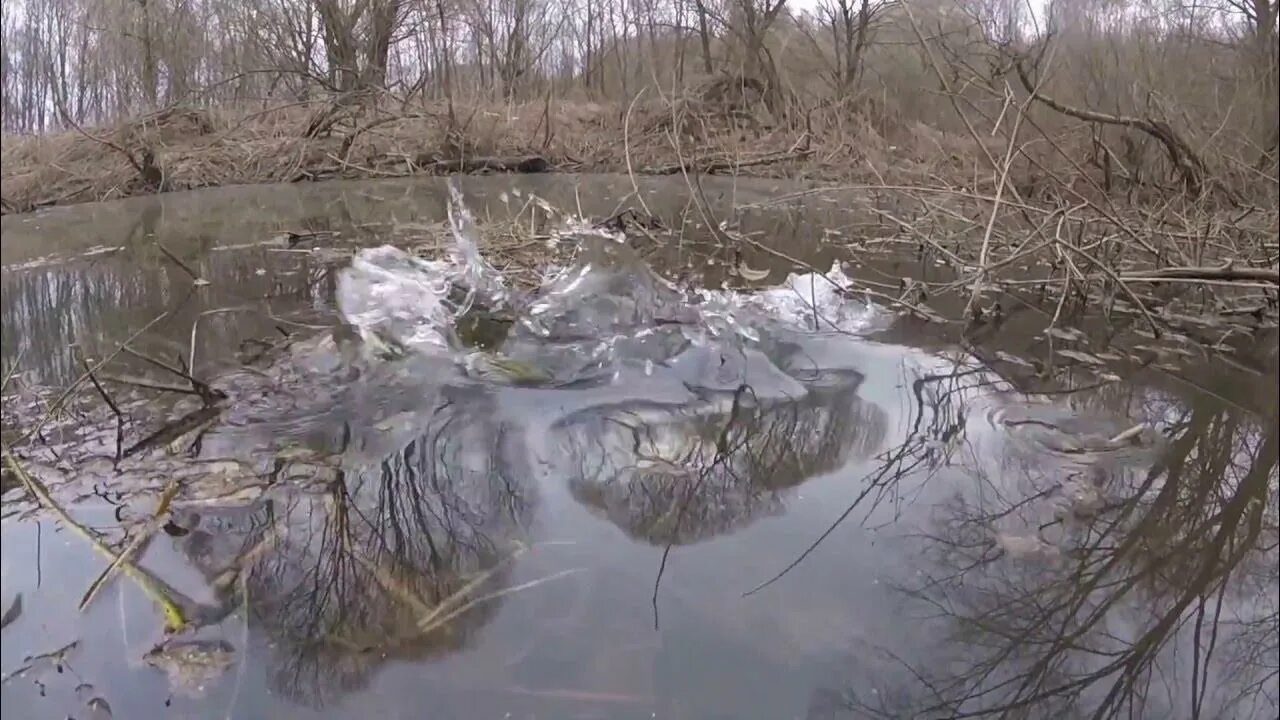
<point>186,148</point>
<point>1003,208</point>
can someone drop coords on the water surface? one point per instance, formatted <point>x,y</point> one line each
<point>715,504</point>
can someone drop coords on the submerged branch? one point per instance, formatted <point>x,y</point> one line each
<point>175,618</point>
<point>134,547</point>
<point>1225,272</point>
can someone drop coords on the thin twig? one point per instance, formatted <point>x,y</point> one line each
<point>62,398</point>
<point>111,404</point>
<point>983,272</point>
<point>195,277</point>
<point>626,151</point>
<point>191,350</point>
<point>206,393</point>
<point>13,370</point>
<point>148,384</point>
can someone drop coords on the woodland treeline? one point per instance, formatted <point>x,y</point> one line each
<point>1131,96</point>
<point>1210,64</point>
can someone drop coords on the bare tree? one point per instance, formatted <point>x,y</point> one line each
<point>850,25</point>
<point>105,61</point>
<point>357,40</point>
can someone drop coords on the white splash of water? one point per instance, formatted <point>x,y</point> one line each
<point>393,297</point>
<point>479,278</point>
<point>808,300</point>
<point>607,294</point>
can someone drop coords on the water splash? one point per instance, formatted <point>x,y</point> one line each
<point>812,301</point>
<point>400,303</point>
<point>479,278</point>
<point>607,289</point>
<point>605,311</point>
<point>397,300</point>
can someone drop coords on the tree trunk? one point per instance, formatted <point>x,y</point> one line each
<point>704,35</point>
<point>150,74</point>
<point>853,63</point>
<point>340,45</point>
<point>446,61</point>
<point>1266,61</point>
<point>383,21</point>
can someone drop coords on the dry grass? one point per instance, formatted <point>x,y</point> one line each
<point>200,148</point>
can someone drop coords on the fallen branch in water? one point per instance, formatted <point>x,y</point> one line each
<point>207,394</point>
<point>713,167</point>
<point>1225,272</point>
<point>193,421</point>
<point>30,661</point>
<point>13,613</point>
<point>146,384</point>
<point>195,276</point>
<point>106,397</point>
<point>136,545</point>
<point>525,164</point>
<point>62,397</point>
<point>175,618</point>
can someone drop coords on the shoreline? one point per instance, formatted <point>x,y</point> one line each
<point>184,149</point>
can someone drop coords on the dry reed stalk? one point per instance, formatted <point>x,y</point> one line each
<point>175,618</point>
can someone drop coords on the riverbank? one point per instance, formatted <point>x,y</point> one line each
<point>992,217</point>
<point>184,148</point>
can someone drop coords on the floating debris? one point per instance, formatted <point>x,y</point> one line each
<point>13,612</point>
<point>191,666</point>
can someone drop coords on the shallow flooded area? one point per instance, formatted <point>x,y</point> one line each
<point>262,462</point>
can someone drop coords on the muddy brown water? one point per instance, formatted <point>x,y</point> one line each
<point>944,543</point>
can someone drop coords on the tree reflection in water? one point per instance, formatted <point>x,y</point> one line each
<point>418,506</point>
<point>671,473</point>
<point>1095,582</point>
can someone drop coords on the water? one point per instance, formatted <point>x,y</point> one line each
<point>761,502</point>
